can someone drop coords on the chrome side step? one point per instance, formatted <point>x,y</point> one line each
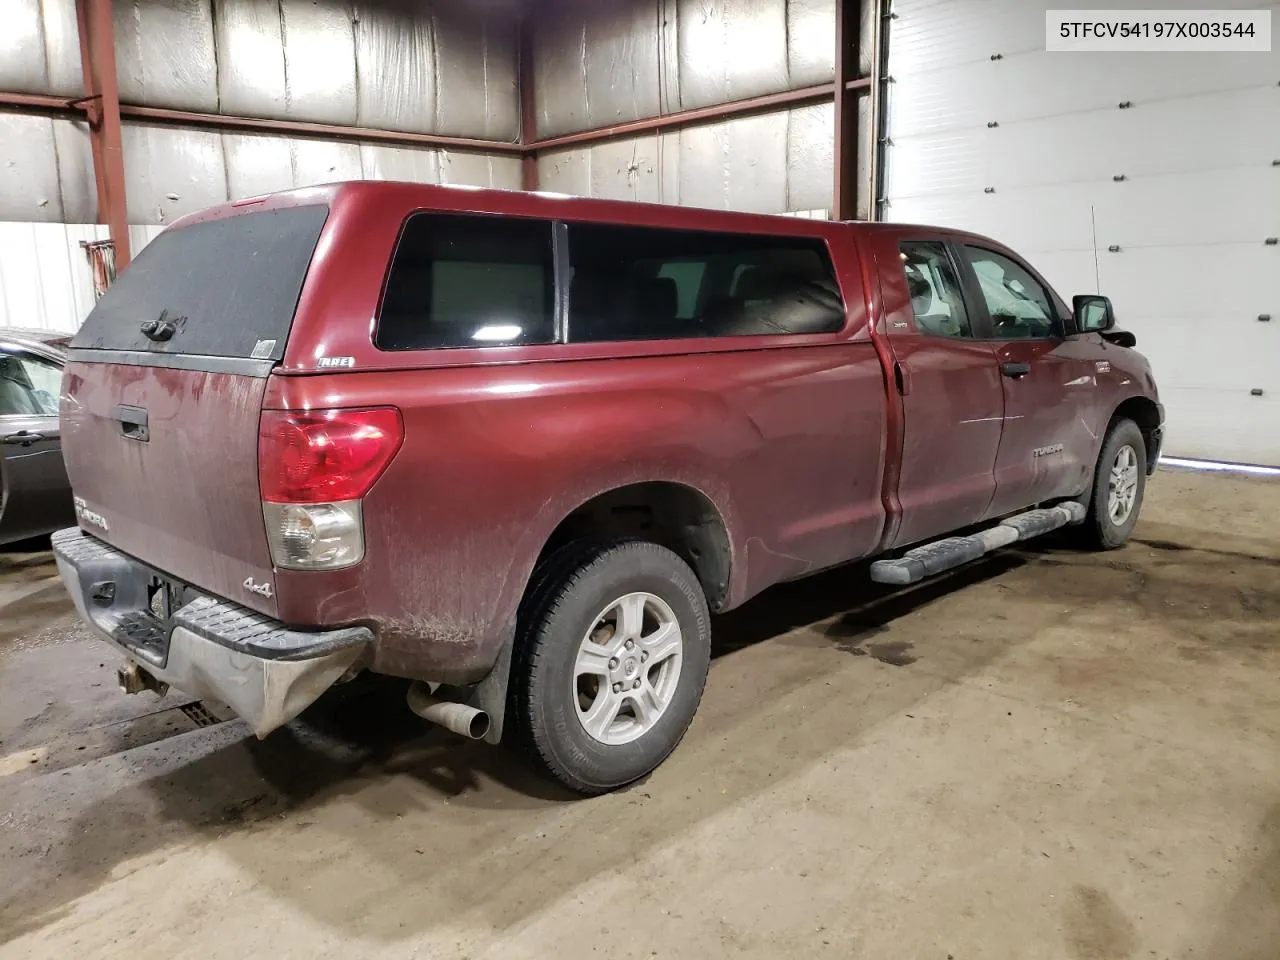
<point>925,561</point>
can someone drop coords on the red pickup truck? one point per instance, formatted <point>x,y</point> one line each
<point>517,447</point>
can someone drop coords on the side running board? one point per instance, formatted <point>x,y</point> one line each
<point>925,561</point>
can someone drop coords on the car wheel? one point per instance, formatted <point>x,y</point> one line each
<point>1119,482</point>
<point>611,663</point>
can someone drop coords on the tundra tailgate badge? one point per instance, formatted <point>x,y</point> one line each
<point>91,517</point>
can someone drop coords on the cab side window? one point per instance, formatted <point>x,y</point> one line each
<point>647,283</point>
<point>1020,307</point>
<point>936,300</point>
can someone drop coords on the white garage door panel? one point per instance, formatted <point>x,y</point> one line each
<point>1198,197</point>
<point>941,163</point>
<point>1031,86</point>
<point>930,34</point>
<point>1221,425</point>
<point>1227,282</point>
<point>1215,131</point>
<point>1029,221</point>
<point>1068,271</point>
<point>1192,208</point>
<point>1209,354</point>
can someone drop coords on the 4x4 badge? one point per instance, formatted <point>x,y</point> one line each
<point>261,589</point>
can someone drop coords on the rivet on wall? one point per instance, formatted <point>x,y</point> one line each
<point>1126,104</point>
<point>1272,241</point>
<point>1114,248</point>
<point>992,124</point>
<point>1255,392</point>
<point>989,190</point>
<point>1119,178</point>
<point>1264,318</point>
<point>997,56</point>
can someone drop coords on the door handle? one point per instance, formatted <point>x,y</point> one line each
<point>23,438</point>
<point>133,422</point>
<point>1015,369</point>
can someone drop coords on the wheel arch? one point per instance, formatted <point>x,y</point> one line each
<point>1145,412</point>
<point>673,514</point>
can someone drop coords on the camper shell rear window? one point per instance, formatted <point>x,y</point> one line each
<point>221,288</point>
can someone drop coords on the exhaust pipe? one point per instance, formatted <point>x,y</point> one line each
<point>458,717</point>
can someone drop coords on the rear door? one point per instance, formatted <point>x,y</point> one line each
<point>35,497</point>
<point>1048,439</point>
<point>949,385</point>
<point>164,390</point>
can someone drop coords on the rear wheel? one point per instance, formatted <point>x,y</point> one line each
<point>613,659</point>
<point>1119,482</point>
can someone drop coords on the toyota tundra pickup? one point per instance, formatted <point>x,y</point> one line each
<point>517,448</point>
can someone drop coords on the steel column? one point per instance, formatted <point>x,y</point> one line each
<point>528,109</point>
<point>102,104</point>
<point>844,193</point>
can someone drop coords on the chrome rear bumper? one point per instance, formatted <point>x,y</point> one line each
<point>266,672</point>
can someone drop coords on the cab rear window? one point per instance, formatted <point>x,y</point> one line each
<point>222,288</point>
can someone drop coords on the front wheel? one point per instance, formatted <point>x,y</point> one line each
<point>1119,483</point>
<point>612,661</point>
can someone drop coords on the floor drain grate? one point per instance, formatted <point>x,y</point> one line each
<point>198,715</point>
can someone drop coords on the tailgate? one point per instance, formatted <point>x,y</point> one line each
<point>163,391</point>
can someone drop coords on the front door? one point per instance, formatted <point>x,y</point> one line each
<point>949,385</point>
<point>36,496</point>
<point>1049,439</point>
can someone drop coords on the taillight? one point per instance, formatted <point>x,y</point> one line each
<point>313,469</point>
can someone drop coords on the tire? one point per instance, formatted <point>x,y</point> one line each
<point>1107,526</point>
<point>574,616</point>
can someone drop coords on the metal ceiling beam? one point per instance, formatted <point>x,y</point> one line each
<point>302,128</point>
<point>102,107</point>
<point>685,118</point>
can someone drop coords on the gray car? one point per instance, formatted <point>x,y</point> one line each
<point>35,495</point>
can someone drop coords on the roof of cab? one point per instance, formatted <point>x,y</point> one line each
<point>462,198</point>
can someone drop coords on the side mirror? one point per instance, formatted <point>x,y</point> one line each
<point>1092,314</point>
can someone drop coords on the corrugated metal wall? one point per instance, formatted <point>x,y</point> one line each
<point>599,64</point>
<point>771,163</point>
<point>171,171</point>
<point>390,64</point>
<point>1180,181</point>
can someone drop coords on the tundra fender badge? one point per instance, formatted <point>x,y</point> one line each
<point>261,589</point>
<point>1046,451</point>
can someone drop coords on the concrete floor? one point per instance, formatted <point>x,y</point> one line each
<point>1049,754</point>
